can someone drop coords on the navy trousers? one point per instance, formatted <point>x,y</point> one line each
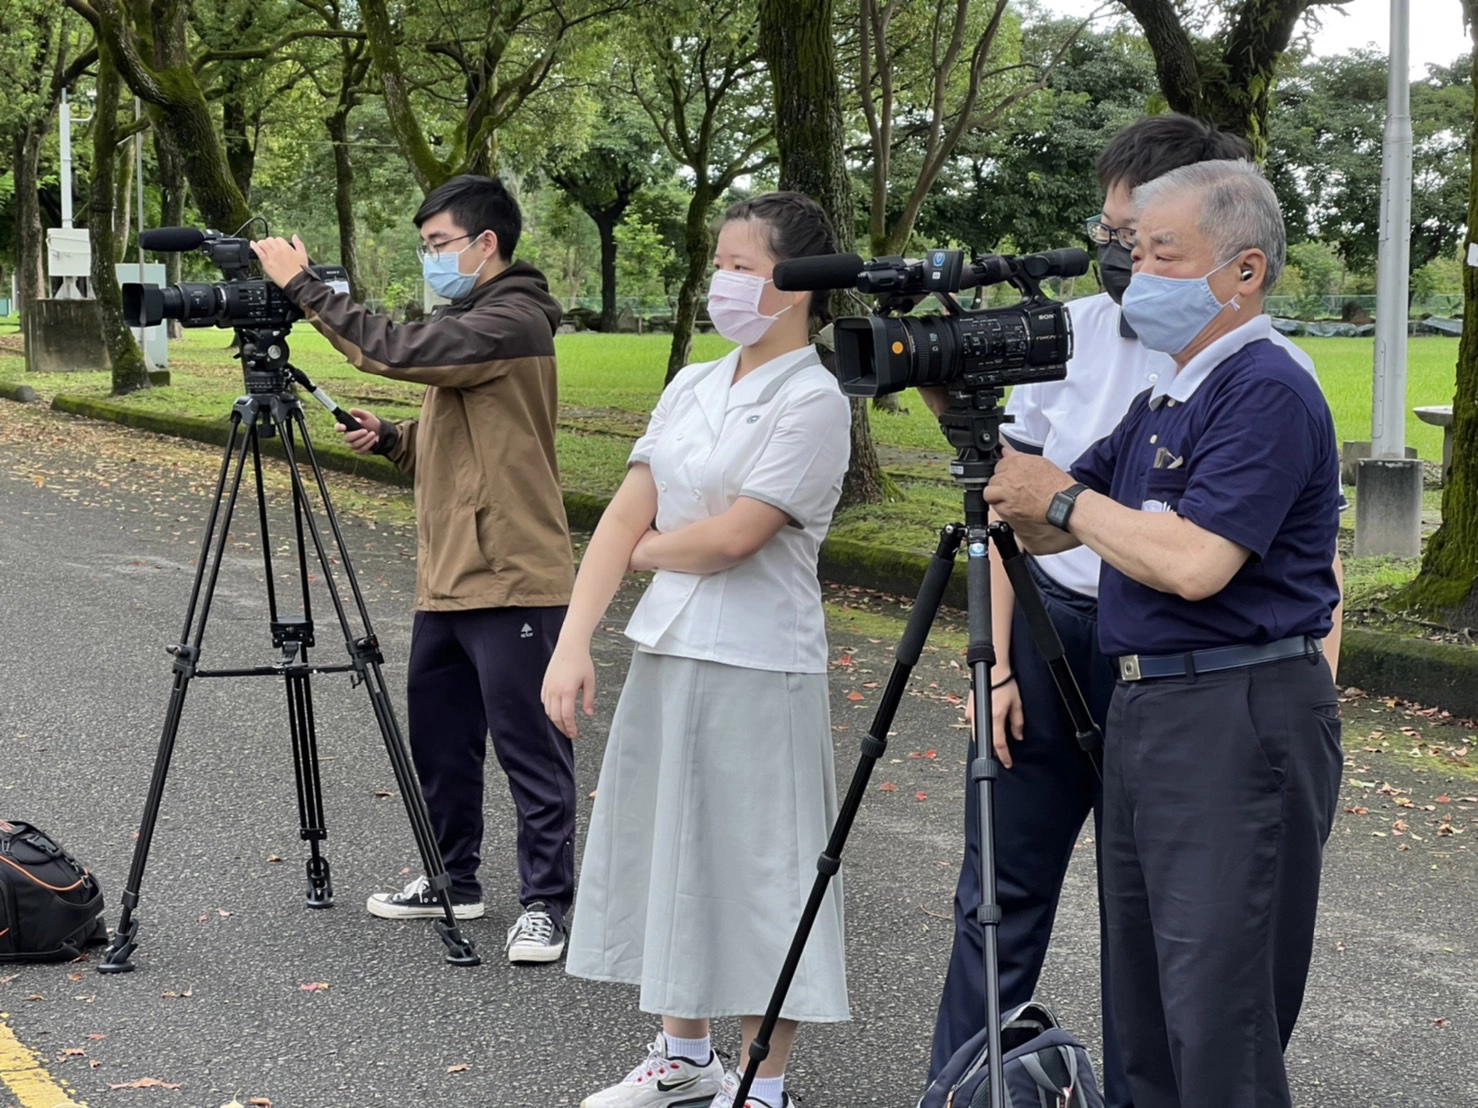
<point>477,671</point>
<point>1041,803</point>
<point>1219,794</point>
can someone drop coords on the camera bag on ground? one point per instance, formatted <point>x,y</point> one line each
<point>51,907</point>
<point>1045,1067</point>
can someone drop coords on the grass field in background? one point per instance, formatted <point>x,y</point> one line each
<point>623,374</point>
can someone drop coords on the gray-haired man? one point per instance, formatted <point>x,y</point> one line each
<point>1214,506</point>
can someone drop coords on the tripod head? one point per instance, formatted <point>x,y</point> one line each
<point>263,353</point>
<point>972,424</point>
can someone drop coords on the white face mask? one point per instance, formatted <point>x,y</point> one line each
<point>734,306</point>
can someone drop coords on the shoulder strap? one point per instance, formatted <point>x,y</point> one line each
<point>1055,1070</point>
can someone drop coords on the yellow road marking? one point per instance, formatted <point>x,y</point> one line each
<point>24,1075</point>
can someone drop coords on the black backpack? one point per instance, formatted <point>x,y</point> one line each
<point>1045,1067</point>
<point>50,906</point>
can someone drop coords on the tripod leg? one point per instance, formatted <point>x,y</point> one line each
<point>984,769</point>
<point>874,746</point>
<point>320,892</point>
<point>296,638</point>
<point>365,654</point>
<point>1048,644</point>
<point>116,959</point>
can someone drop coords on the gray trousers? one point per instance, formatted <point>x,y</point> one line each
<point>1219,794</point>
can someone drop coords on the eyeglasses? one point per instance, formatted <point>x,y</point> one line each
<point>431,250</point>
<point>1101,234</point>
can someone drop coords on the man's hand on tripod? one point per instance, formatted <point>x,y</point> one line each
<point>364,440</point>
<point>1005,710</point>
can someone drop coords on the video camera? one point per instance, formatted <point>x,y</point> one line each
<point>972,351</point>
<point>241,300</point>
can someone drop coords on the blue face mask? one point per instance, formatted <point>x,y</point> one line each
<point>445,279</point>
<point>1168,313</point>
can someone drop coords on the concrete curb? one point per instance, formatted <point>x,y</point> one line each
<point>1419,670</point>
<point>1415,669</point>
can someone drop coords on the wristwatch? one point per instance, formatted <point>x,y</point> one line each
<point>1062,505</point>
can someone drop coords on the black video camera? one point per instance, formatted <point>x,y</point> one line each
<point>241,300</point>
<point>973,351</point>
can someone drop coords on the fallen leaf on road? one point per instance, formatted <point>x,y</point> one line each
<point>145,1083</point>
<point>383,793</point>
<point>457,1068</point>
<point>314,986</point>
<point>73,1052</point>
<point>888,787</point>
<point>95,1036</point>
<point>259,1102</point>
<point>274,857</point>
<point>921,796</point>
<point>854,695</point>
<point>1439,1022</point>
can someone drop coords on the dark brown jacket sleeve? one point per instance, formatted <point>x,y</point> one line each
<point>451,352</point>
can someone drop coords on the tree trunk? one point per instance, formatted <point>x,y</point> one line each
<point>171,209</point>
<point>1444,588</point>
<point>796,41</point>
<point>698,242</point>
<point>30,240</point>
<point>338,131</point>
<point>605,224</point>
<point>130,373</point>
<point>241,154</point>
<point>154,61</point>
<point>122,199</point>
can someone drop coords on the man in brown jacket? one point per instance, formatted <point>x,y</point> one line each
<point>494,566</point>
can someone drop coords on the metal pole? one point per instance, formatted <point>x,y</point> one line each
<point>66,145</point>
<point>1388,415</point>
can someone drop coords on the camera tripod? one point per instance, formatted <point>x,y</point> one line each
<point>270,409</point>
<point>972,424</point>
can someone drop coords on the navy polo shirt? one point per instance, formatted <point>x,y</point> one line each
<point>1245,447</point>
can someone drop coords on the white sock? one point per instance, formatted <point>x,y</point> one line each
<point>698,1051</point>
<point>769,1089</point>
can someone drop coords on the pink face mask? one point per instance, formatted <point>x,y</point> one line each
<point>734,306</point>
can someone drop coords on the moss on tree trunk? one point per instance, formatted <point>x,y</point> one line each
<point>1443,589</point>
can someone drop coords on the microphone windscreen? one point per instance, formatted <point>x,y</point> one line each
<point>171,240</point>
<point>820,271</point>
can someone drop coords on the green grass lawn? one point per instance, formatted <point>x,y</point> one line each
<point>608,383</point>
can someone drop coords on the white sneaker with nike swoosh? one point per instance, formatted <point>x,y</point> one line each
<point>663,1082</point>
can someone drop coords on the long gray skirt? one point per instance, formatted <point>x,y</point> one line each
<point>716,795</point>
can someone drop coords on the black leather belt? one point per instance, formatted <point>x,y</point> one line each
<point>1142,667</point>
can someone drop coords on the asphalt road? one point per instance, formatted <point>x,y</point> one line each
<point>99,529</point>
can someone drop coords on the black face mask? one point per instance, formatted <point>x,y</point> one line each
<point>1115,267</point>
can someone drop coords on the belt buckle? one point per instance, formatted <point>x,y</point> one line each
<point>1129,667</point>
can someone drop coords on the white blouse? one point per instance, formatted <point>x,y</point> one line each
<point>780,435</point>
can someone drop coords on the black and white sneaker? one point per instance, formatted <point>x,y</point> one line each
<point>535,937</point>
<point>417,901</point>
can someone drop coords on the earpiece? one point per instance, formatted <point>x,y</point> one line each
<point>1246,273</point>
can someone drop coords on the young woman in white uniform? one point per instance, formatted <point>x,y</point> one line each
<point>717,790</point>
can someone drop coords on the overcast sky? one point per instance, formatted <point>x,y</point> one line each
<point>1437,33</point>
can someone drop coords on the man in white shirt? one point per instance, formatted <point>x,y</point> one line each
<point>1050,786</point>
